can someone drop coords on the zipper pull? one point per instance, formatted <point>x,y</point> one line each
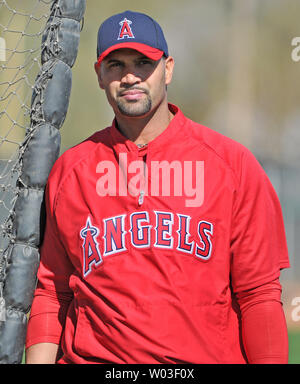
<point>141,197</point>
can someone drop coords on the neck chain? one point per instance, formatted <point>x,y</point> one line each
<point>141,145</point>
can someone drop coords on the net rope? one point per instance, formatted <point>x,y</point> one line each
<point>22,24</point>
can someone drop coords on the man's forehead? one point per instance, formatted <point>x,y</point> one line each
<point>124,53</point>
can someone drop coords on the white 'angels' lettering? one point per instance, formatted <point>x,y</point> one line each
<point>168,231</point>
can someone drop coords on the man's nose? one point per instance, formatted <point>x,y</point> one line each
<point>130,77</point>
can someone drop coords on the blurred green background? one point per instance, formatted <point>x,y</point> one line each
<point>235,73</point>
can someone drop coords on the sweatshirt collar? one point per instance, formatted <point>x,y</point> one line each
<point>122,144</point>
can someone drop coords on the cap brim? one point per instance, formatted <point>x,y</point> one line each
<point>152,53</point>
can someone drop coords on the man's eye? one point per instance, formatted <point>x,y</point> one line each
<point>144,62</point>
<point>115,65</point>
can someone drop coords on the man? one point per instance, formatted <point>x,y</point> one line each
<point>164,239</point>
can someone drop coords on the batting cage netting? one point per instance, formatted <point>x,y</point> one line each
<point>38,47</point>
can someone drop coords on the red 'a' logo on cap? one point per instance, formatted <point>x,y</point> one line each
<point>125,30</point>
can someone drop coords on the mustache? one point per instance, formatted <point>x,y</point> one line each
<point>133,88</point>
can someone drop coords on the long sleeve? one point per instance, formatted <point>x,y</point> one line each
<point>264,329</point>
<point>53,294</point>
<point>47,317</point>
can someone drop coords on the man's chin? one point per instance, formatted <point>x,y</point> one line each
<point>134,109</point>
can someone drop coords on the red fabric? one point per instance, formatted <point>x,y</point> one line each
<point>264,329</point>
<point>47,317</point>
<point>150,280</point>
<point>152,53</point>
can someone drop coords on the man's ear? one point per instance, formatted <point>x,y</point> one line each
<point>169,65</point>
<point>98,73</point>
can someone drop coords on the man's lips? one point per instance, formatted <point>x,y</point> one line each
<point>132,94</point>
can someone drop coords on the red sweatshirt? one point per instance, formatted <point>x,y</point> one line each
<point>147,251</point>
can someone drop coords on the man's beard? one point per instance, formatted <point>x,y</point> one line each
<point>135,108</point>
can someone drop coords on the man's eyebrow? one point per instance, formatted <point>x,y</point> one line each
<point>113,60</point>
<point>143,57</point>
<point>108,61</point>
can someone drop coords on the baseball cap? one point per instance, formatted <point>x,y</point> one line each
<point>131,30</point>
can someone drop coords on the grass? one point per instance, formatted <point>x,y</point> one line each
<point>294,347</point>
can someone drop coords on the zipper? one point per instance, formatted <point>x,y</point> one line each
<point>141,197</point>
<point>142,191</point>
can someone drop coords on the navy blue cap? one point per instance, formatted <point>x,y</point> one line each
<point>131,30</point>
